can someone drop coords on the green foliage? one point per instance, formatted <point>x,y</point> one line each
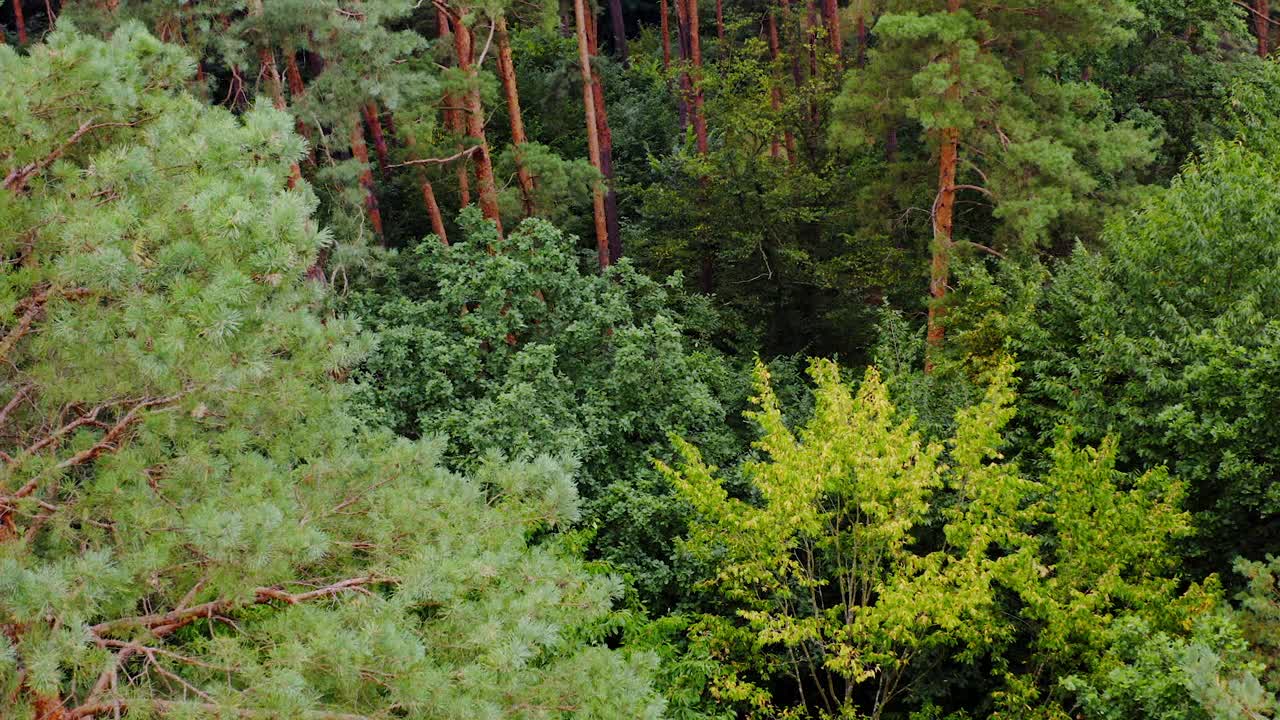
<point>1206,676</point>
<point>1045,152</point>
<point>864,559</point>
<point>507,345</point>
<point>191,524</point>
<point>1169,340</point>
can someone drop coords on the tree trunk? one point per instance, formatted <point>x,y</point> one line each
<point>453,117</point>
<point>20,21</point>
<point>593,133</point>
<point>606,152</point>
<point>862,40</point>
<point>695,57</point>
<point>507,74</point>
<point>297,89</point>
<point>485,186</point>
<point>832,9</point>
<point>360,151</point>
<point>374,123</point>
<point>619,29</point>
<point>275,86</point>
<point>665,23</point>
<point>429,197</point>
<point>943,219</point>
<point>682,47</point>
<point>1262,26</point>
<point>775,99</point>
<point>720,25</point>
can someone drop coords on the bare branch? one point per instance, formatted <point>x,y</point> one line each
<point>439,161</point>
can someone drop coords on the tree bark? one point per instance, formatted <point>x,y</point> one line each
<point>429,198</point>
<point>593,133</point>
<point>682,47</point>
<point>275,86</point>
<point>20,21</point>
<point>619,29</point>
<point>485,186</point>
<point>665,24</point>
<point>775,99</point>
<point>1262,26</point>
<point>862,40</point>
<point>943,219</point>
<point>507,74</point>
<point>453,117</point>
<point>695,57</point>
<point>606,153</point>
<point>720,25</point>
<point>374,124</point>
<point>297,89</point>
<point>832,10</point>
<point>360,151</point>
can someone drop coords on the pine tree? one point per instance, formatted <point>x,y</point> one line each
<point>191,523</point>
<point>977,76</point>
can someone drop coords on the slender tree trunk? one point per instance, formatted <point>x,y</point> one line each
<point>297,89</point>
<point>695,57</point>
<point>593,133</point>
<point>619,29</point>
<point>797,76</point>
<point>943,219</point>
<point>507,74</point>
<point>665,23</point>
<point>20,21</point>
<point>453,117</point>
<point>862,40</point>
<point>374,123</point>
<point>429,197</point>
<point>775,99</point>
<point>606,152</point>
<point>360,151</point>
<point>811,35</point>
<point>485,185</point>
<point>682,46</point>
<point>275,86</point>
<point>720,25</point>
<point>1262,26</point>
<point>832,10</point>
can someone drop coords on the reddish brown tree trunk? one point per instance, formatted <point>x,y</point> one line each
<point>360,151</point>
<point>862,40</point>
<point>720,24</point>
<point>943,220</point>
<point>507,74</point>
<point>695,57</point>
<point>374,123</point>
<point>832,10</point>
<point>429,198</point>
<point>606,153</point>
<point>1262,26</point>
<point>619,26</point>
<point>593,132</point>
<point>665,24</point>
<point>485,185</point>
<point>682,44</point>
<point>452,116</point>
<point>775,99</point>
<point>20,21</point>
<point>297,89</point>
<point>275,86</point>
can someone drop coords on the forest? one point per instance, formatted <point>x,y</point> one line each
<point>640,360</point>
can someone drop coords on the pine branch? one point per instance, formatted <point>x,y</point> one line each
<point>34,306</point>
<point>17,178</point>
<point>174,619</point>
<point>169,706</point>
